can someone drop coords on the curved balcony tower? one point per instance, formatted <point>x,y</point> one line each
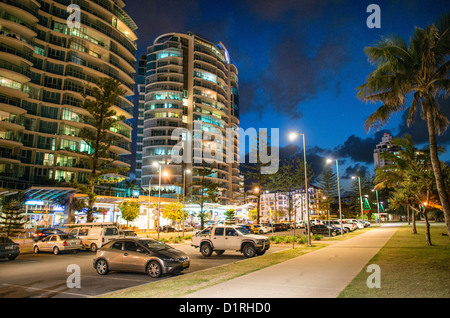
<point>190,83</point>
<point>45,70</point>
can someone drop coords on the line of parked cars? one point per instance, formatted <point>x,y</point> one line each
<point>116,250</point>
<point>333,227</point>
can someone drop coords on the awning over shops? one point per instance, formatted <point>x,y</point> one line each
<point>47,193</point>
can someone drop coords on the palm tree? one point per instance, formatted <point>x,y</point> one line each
<point>410,175</point>
<point>420,72</point>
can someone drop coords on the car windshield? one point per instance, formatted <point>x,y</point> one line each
<point>154,245</point>
<point>242,230</point>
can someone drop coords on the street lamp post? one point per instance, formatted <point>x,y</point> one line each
<point>339,192</point>
<point>184,194</point>
<point>293,136</point>
<point>378,206</point>
<point>360,199</point>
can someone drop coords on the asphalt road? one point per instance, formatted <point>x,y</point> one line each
<point>45,275</point>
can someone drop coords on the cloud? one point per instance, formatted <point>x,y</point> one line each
<point>298,72</point>
<point>355,170</point>
<point>360,149</point>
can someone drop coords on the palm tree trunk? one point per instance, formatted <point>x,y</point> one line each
<point>440,184</point>
<point>427,223</point>
<point>427,228</point>
<point>413,220</point>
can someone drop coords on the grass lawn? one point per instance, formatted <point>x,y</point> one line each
<point>188,283</point>
<point>409,267</point>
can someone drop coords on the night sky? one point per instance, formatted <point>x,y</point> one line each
<point>299,64</point>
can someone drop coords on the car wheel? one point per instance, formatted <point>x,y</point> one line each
<point>249,250</point>
<point>93,247</point>
<point>12,257</point>
<point>154,269</point>
<point>55,250</point>
<point>333,233</point>
<point>206,249</point>
<point>36,249</point>
<point>102,267</point>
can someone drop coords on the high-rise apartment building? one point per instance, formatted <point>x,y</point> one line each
<point>45,69</point>
<point>385,146</point>
<point>190,84</point>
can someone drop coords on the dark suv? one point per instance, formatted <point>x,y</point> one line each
<point>41,233</point>
<point>325,230</point>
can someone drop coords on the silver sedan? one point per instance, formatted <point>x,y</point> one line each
<point>57,243</point>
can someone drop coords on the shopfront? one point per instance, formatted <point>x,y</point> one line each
<point>37,218</point>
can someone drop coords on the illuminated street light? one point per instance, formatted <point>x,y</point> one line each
<point>378,205</point>
<point>293,136</point>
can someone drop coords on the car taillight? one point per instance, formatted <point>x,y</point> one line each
<point>81,242</point>
<point>103,240</point>
<point>39,234</point>
<point>65,243</point>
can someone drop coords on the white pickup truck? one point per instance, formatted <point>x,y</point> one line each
<point>219,238</point>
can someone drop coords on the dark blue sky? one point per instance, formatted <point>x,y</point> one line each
<point>299,63</point>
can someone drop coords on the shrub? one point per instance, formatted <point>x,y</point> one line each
<point>317,237</point>
<point>279,239</point>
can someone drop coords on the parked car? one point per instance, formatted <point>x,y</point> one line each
<point>245,226</point>
<point>300,225</point>
<point>44,232</point>
<point>140,255</point>
<point>220,238</point>
<point>356,222</point>
<point>95,235</point>
<point>351,226</point>
<point>187,228</point>
<point>58,243</point>
<point>278,227</point>
<point>335,223</point>
<point>9,248</point>
<point>127,233</point>
<point>325,230</point>
<point>316,222</point>
<point>260,229</point>
<point>167,228</point>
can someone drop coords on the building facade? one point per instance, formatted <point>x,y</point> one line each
<point>190,97</point>
<point>385,146</point>
<point>271,202</point>
<point>46,70</point>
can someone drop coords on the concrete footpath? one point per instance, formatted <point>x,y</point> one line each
<point>320,274</point>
